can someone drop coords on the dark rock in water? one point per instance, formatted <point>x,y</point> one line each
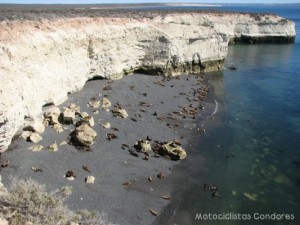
<point>296,162</point>
<point>166,197</point>
<point>232,67</point>
<point>215,194</point>
<point>213,188</point>
<point>231,155</point>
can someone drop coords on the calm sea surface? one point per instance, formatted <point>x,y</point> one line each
<point>251,149</point>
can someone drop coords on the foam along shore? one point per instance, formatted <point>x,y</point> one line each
<point>117,174</point>
<point>46,54</point>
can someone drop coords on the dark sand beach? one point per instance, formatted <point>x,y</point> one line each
<point>122,189</point>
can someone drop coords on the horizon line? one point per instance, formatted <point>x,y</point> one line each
<point>141,3</point>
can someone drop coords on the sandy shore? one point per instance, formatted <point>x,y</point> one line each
<point>150,102</point>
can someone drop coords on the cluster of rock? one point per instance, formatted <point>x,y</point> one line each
<point>71,175</point>
<point>171,149</point>
<point>83,135</point>
<point>33,130</point>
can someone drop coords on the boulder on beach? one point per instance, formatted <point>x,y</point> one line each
<point>84,114</point>
<point>68,116</point>
<point>53,147</point>
<point>52,115</point>
<point>36,148</point>
<point>106,125</point>
<point>143,145</point>
<point>89,120</point>
<point>173,150</point>
<point>35,126</point>
<point>26,134</point>
<point>58,128</point>
<point>120,112</point>
<point>90,180</point>
<point>94,104</point>
<point>35,138</point>
<point>75,108</point>
<point>105,103</point>
<point>84,135</point>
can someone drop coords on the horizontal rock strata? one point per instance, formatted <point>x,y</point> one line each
<point>45,56</point>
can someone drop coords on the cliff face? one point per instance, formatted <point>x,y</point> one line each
<point>41,62</point>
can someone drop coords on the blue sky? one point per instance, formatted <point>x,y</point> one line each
<point>143,1</point>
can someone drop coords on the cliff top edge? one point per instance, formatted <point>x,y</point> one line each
<point>9,12</point>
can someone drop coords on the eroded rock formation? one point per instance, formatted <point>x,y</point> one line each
<point>42,60</point>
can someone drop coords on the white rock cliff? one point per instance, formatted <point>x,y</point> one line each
<point>42,61</point>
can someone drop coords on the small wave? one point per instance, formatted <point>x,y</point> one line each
<point>213,113</point>
<point>216,108</point>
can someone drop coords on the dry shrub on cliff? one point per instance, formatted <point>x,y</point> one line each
<point>27,202</point>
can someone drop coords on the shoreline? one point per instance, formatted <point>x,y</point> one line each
<point>111,165</point>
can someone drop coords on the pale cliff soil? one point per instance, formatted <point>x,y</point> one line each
<point>109,163</point>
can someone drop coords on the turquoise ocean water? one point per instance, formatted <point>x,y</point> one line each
<point>251,150</point>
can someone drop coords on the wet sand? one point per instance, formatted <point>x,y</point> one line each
<point>150,102</point>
